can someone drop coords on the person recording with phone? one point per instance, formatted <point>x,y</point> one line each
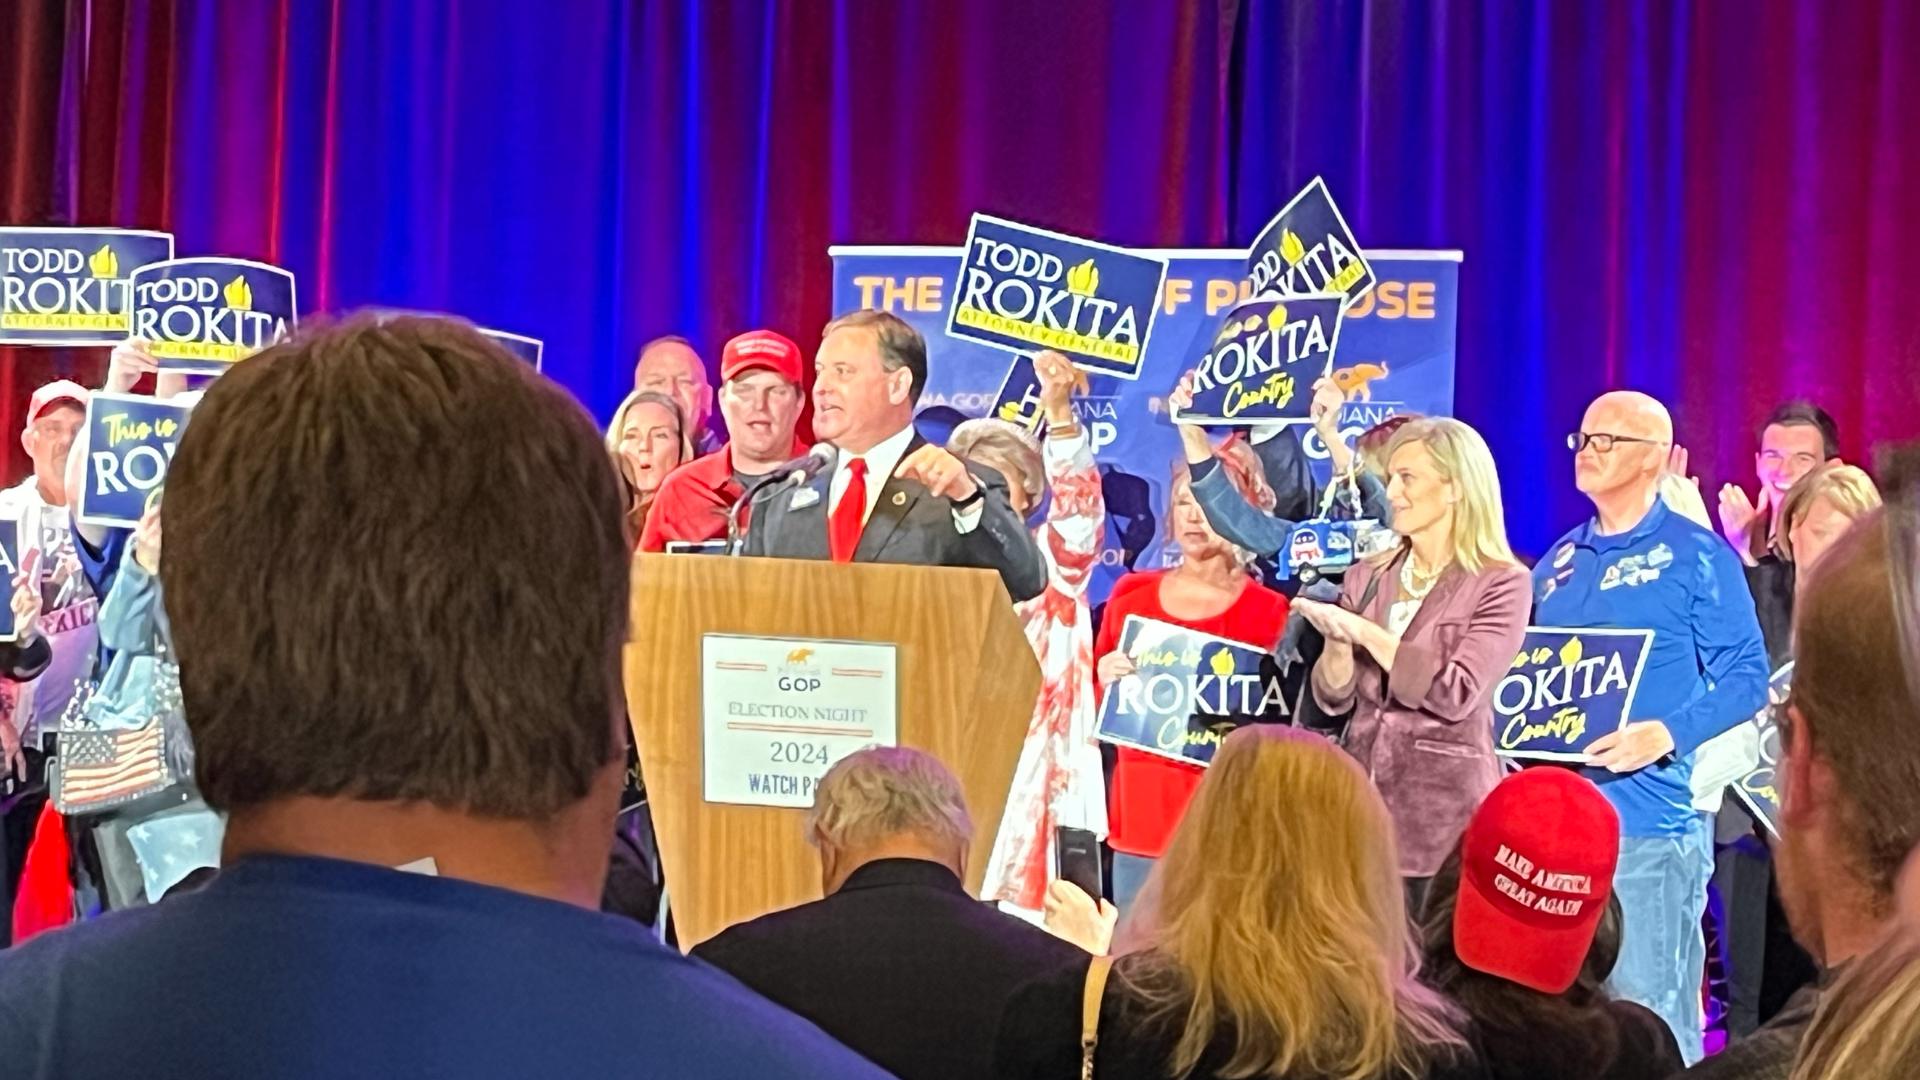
<point>1059,779</point>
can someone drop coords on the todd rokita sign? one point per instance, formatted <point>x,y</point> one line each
<point>1566,688</point>
<point>1188,691</point>
<point>70,286</point>
<point>129,441</point>
<point>776,713</point>
<point>201,316</point>
<point>1024,289</point>
<point>1261,364</point>
<point>1307,250</point>
<point>1760,787</point>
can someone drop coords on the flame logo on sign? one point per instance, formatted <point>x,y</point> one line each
<point>238,295</point>
<point>1222,663</point>
<point>104,263</point>
<point>1277,318</point>
<point>1083,279</point>
<point>1571,652</point>
<point>1291,249</point>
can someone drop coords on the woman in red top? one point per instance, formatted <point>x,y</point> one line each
<point>1211,591</point>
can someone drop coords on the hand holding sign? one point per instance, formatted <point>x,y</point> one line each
<point>1632,748</point>
<point>146,540</point>
<point>944,475</point>
<point>132,358</point>
<point>1059,379</point>
<point>1113,667</point>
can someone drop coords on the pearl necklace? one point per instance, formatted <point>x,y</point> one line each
<point>1408,578</point>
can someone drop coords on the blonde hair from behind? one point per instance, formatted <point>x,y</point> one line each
<point>1278,914</point>
<point>1461,457</point>
<point>1864,1027</point>
<point>1847,487</point>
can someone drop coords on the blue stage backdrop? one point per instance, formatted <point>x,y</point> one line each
<point>1718,203</point>
<point>1396,353</point>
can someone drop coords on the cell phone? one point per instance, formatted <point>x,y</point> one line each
<point>1076,858</point>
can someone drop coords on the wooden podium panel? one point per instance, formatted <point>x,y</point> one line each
<point>967,685</point>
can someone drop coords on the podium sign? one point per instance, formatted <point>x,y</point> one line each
<point>778,712</point>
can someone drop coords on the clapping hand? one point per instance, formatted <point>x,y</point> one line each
<point>1335,622</point>
<point>1738,513</point>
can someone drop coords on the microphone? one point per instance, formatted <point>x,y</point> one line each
<point>787,474</point>
<point>806,466</point>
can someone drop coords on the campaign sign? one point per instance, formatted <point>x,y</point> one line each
<point>1565,689</point>
<point>70,286</point>
<point>130,444</point>
<point>1263,361</point>
<point>1307,250</point>
<point>1396,356</point>
<point>1023,289</point>
<point>1188,691</point>
<point>204,315</point>
<point>522,347</point>
<point>10,555</point>
<point>1018,401</point>
<point>1760,789</point>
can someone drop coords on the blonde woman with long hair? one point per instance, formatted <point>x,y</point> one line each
<point>1422,635</point>
<point>1271,941</point>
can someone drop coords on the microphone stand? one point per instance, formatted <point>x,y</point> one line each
<point>735,542</point>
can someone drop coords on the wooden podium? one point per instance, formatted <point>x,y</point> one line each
<point>967,683</point>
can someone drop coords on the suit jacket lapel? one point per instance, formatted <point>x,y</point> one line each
<point>897,500</point>
<point>809,523</point>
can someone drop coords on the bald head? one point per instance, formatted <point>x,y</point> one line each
<point>1630,412</point>
<point>1628,471</point>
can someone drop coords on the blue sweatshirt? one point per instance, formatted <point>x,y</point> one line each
<point>1706,670</point>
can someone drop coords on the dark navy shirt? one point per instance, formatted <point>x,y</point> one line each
<point>1706,668</point>
<point>312,968</point>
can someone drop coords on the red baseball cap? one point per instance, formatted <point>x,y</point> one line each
<point>1536,868</point>
<point>762,349</point>
<point>53,394</point>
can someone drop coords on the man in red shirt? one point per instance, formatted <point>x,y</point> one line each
<point>760,397</point>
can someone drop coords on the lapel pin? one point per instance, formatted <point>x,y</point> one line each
<point>899,498</point>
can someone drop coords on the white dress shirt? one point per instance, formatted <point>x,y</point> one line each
<point>881,461</point>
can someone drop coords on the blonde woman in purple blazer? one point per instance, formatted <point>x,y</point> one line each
<point>1422,635</point>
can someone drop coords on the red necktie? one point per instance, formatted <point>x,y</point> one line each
<point>844,524</point>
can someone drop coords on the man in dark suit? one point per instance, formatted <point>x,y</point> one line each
<point>891,496</point>
<point>898,962</point>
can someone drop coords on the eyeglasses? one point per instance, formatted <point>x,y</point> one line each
<point>1603,443</point>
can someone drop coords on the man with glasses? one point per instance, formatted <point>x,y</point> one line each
<point>1637,565</point>
<point>760,398</point>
